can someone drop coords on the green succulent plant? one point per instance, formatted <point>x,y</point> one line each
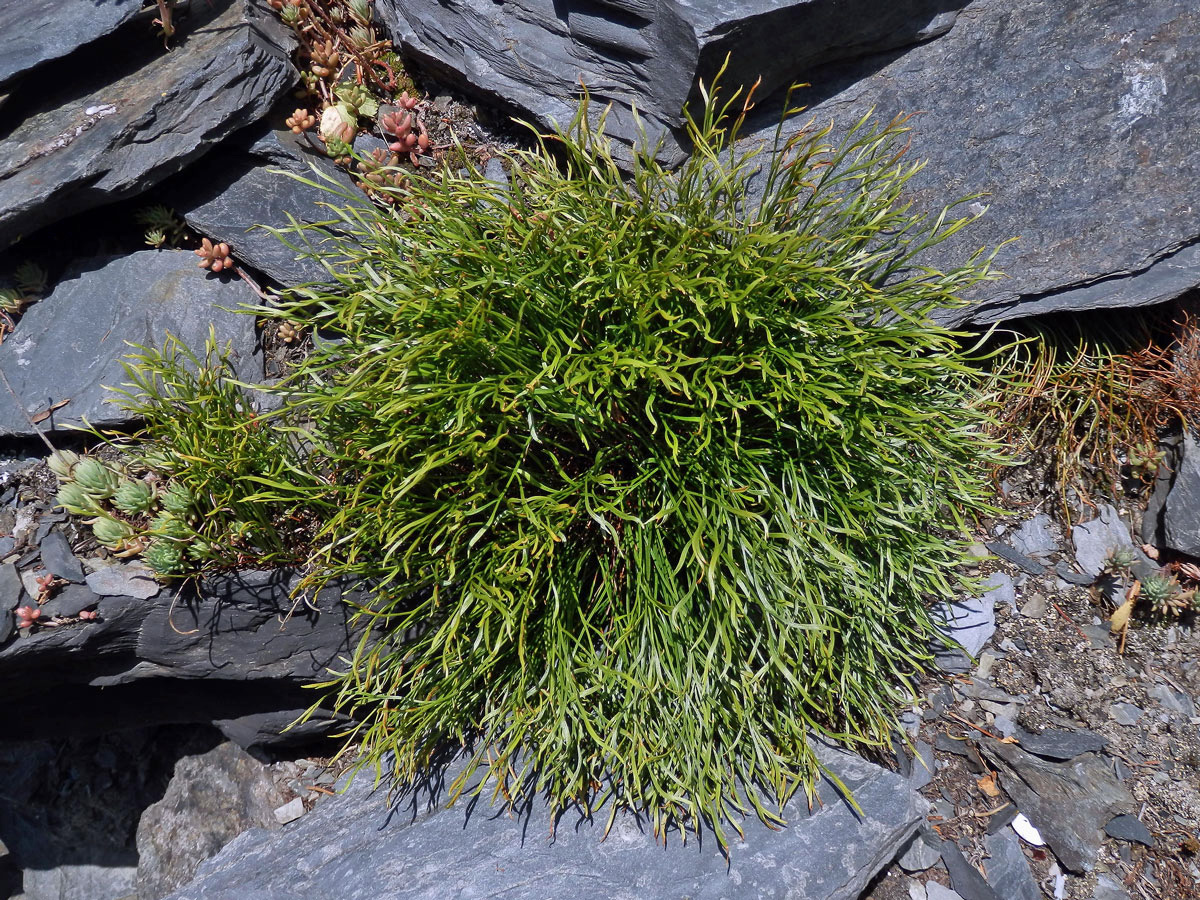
<point>357,100</point>
<point>178,500</point>
<point>30,278</point>
<point>168,524</point>
<point>75,499</point>
<point>165,557</point>
<point>97,480</point>
<point>1119,559</point>
<point>112,533</point>
<point>134,497</point>
<point>62,463</point>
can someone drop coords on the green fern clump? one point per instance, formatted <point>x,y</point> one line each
<point>656,481</point>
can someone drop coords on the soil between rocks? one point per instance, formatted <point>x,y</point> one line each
<point>1054,655</point>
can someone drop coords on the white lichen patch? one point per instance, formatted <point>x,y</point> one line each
<point>1145,88</point>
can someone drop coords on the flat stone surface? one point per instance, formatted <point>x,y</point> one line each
<point>70,600</point>
<point>1096,538</point>
<point>212,798</point>
<point>11,592</point>
<point>76,148</point>
<point>1126,713</point>
<point>352,848</point>
<point>1079,128</point>
<point>1068,802</point>
<point>1007,868</point>
<point>124,580</point>
<point>34,31</point>
<point>532,55</point>
<point>242,187</point>
<point>971,622</point>
<point>59,559</point>
<point>1108,889</point>
<point>240,647</point>
<point>936,891</point>
<point>1128,828</point>
<point>964,877</point>
<point>1181,513</point>
<point>1058,743</point>
<point>1035,537</point>
<point>69,346</point>
<point>918,855</point>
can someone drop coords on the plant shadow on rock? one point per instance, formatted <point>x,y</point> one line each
<point>677,480</point>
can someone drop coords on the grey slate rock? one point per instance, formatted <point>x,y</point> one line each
<point>69,345</point>
<point>531,55</point>
<point>351,847</point>
<point>238,646</point>
<point>1107,889</point>
<point>923,765</point>
<point>1099,225</point>
<point>245,186</point>
<point>1173,700</point>
<point>1076,578</point>
<point>936,891</point>
<point>34,31</point>
<point>964,877</point>
<point>70,600</point>
<point>124,580</point>
<point>918,854</point>
<point>1068,802</point>
<point>1096,538</point>
<point>1035,537</point>
<point>1129,828</point>
<point>1060,744</point>
<point>1008,869</point>
<point>1125,713</point>
<point>59,559</point>
<point>280,729</point>
<point>212,798</point>
<point>1002,550</point>
<point>11,591</point>
<point>970,622</point>
<point>81,148</point>
<point>1181,512</point>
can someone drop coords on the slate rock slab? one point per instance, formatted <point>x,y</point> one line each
<point>79,147</point>
<point>1080,129</point>
<point>68,346</point>
<point>239,646</point>
<point>212,798</point>
<point>59,559</point>
<point>11,591</point>
<point>242,187</point>
<point>531,55</point>
<point>1068,802</point>
<point>124,580</point>
<point>1129,828</point>
<point>34,31</point>
<point>1008,869</point>
<point>1061,744</point>
<point>1181,512</point>
<point>970,622</point>
<point>353,848</point>
<point>1097,538</point>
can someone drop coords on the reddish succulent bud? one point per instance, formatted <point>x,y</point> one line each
<point>27,615</point>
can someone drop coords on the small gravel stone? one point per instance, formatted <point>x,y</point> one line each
<point>290,811</point>
<point>1129,828</point>
<point>935,891</point>
<point>58,558</point>
<point>1125,713</point>
<point>1107,889</point>
<point>917,855</point>
<point>1173,700</point>
<point>124,580</point>
<point>1035,607</point>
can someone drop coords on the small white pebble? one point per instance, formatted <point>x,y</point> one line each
<point>290,811</point>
